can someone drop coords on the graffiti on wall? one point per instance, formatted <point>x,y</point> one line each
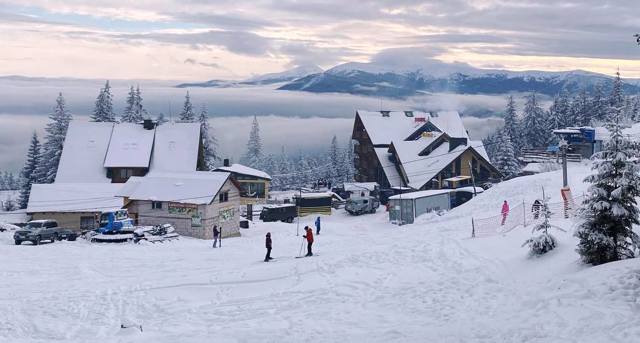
<point>186,210</point>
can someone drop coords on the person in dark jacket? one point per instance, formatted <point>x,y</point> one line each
<point>309,237</point>
<point>318,226</point>
<point>216,236</point>
<point>268,245</point>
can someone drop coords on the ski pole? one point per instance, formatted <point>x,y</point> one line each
<point>301,245</point>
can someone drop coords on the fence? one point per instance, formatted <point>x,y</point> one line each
<point>541,155</point>
<point>523,214</point>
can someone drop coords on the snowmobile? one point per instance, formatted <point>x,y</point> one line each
<point>115,227</point>
<point>154,234</point>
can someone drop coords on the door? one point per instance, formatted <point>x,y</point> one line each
<point>406,210</point>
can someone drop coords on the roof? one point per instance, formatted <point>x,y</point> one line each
<point>421,169</point>
<point>458,178</point>
<point>176,147</point>
<point>244,170</point>
<point>359,186</point>
<point>315,195</point>
<point>478,146</point>
<point>130,146</point>
<point>469,189</point>
<point>449,122</point>
<point>388,167</point>
<point>421,194</point>
<point>74,197</point>
<point>196,187</point>
<point>85,148</point>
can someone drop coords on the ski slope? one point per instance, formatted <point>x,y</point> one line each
<point>370,282</point>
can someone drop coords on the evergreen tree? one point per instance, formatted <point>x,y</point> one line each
<point>512,125</point>
<point>490,144</point>
<point>599,105</point>
<point>335,173</point>
<point>610,210</point>
<point>349,162</point>
<point>616,99</point>
<point>534,123</point>
<point>103,111</point>
<point>187,114</point>
<point>56,132</point>
<point>140,112</point>
<point>544,242</point>
<point>208,142</point>
<point>28,172</point>
<point>253,156</point>
<point>129,114</point>
<point>505,158</point>
<point>581,109</point>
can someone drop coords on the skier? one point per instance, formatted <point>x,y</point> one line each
<point>318,226</point>
<point>267,244</point>
<point>505,211</point>
<point>309,237</point>
<point>216,236</point>
<point>537,206</point>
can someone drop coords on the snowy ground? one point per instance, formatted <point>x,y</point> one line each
<point>370,281</point>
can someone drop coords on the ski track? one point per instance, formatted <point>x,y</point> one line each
<point>371,281</point>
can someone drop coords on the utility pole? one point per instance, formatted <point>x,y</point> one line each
<point>473,179</point>
<point>298,208</point>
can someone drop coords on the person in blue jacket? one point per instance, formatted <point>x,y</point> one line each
<point>318,226</point>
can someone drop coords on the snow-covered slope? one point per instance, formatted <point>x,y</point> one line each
<point>287,75</point>
<point>370,281</point>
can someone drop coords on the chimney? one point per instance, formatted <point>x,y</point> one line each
<point>226,162</point>
<point>148,124</point>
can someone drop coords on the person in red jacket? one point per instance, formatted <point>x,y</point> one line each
<point>268,246</point>
<point>309,237</point>
<point>505,211</point>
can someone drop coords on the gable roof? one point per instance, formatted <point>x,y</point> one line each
<point>176,147</point>
<point>244,170</point>
<point>130,146</point>
<point>85,148</point>
<point>190,188</point>
<point>74,197</point>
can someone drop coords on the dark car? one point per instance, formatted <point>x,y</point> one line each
<point>36,231</point>
<point>274,213</point>
<point>67,234</point>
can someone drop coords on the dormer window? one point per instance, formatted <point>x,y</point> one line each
<point>408,113</point>
<point>385,113</point>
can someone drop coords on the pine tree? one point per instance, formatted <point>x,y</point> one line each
<point>140,112</point>
<point>598,105</point>
<point>610,210</point>
<point>490,144</point>
<point>28,172</point>
<point>103,111</point>
<point>286,172</point>
<point>56,132</point>
<point>349,162</point>
<point>129,114</point>
<point>512,125</point>
<point>544,242</point>
<point>534,124</point>
<point>335,173</point>
<point>581,109</point>
<point>505,158</point>
<point>187,114</point>
<point>208,142</point>
<point>253,156</point>
<point>616,99</point>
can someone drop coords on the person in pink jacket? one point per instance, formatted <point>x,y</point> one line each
<point>505,211</point>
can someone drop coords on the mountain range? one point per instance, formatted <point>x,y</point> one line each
<point>429,76</point>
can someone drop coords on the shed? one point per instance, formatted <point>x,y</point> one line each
<point>309,203</point>
<point>404,208</point>
<point>253,183</point>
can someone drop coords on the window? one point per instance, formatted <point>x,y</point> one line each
<point>50,225</point>
<point>223,197</point>
<point>87,223</point>
<point>126,173</point>
<point>156,205</point>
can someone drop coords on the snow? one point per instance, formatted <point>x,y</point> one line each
<point>74,197</point>
<point>176,147</point>
<point>389,168</point>
<point>421,194</point>
<point>449,122</point>
<point>244,170</point>
<point>370,281</point>
<point>359,186</point>
<point>422,171</point>
<point>18,216</point>
<point>84,153</point>
<point>130,146</point>
<point>470,189</point>
<point>189,188</point>
<point>382,130</point>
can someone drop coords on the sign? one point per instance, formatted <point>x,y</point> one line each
<point>226,214</point>
<point>187,210</point>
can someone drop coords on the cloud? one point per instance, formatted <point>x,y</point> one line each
<point>204,64</point>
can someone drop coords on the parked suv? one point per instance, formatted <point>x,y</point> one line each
<point>361,205</point>
<point>36,231</point>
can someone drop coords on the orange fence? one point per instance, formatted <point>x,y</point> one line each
<point>523,214</point>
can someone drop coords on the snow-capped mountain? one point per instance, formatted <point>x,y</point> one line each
<point>398,80</point>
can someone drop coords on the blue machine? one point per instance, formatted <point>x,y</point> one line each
<point>115,222</point>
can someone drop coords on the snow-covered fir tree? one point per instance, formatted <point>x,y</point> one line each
<point>350,168</point>
<point>56,132</point>
<point>103,112</point>
<point>581,110</point>
<point>490,144</point>
<point>599,105</point>
<point>336,171</point>
<point>560,115</point>
<point>610,210</point>
<point>253,155</point>
<point>187,114</point>
<point>534,123</point>
<point>505,158</point>
<point>134,111</point>
<point>616,98</point>
<point>208,141</point>
<point>543,242</point>
<point>28,172</point>
<point>512,124</point>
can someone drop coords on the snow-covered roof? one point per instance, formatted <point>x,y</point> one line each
<point>359,186</point>
<point>421,169</point>
<point>176,147</point>
<point>479,147</point>
<point>567,131</point>
<point>74,197</point>
<point>449,122</point>
<point>85,148</point>
<point>315,195</point>
<point>421,194</point>
<point>388,167</point>
<point>130,146</point>
<point>196,187</point>
<point>244,170</point>
<point>469,189</point>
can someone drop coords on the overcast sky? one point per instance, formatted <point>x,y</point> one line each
<point>229,39</point>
